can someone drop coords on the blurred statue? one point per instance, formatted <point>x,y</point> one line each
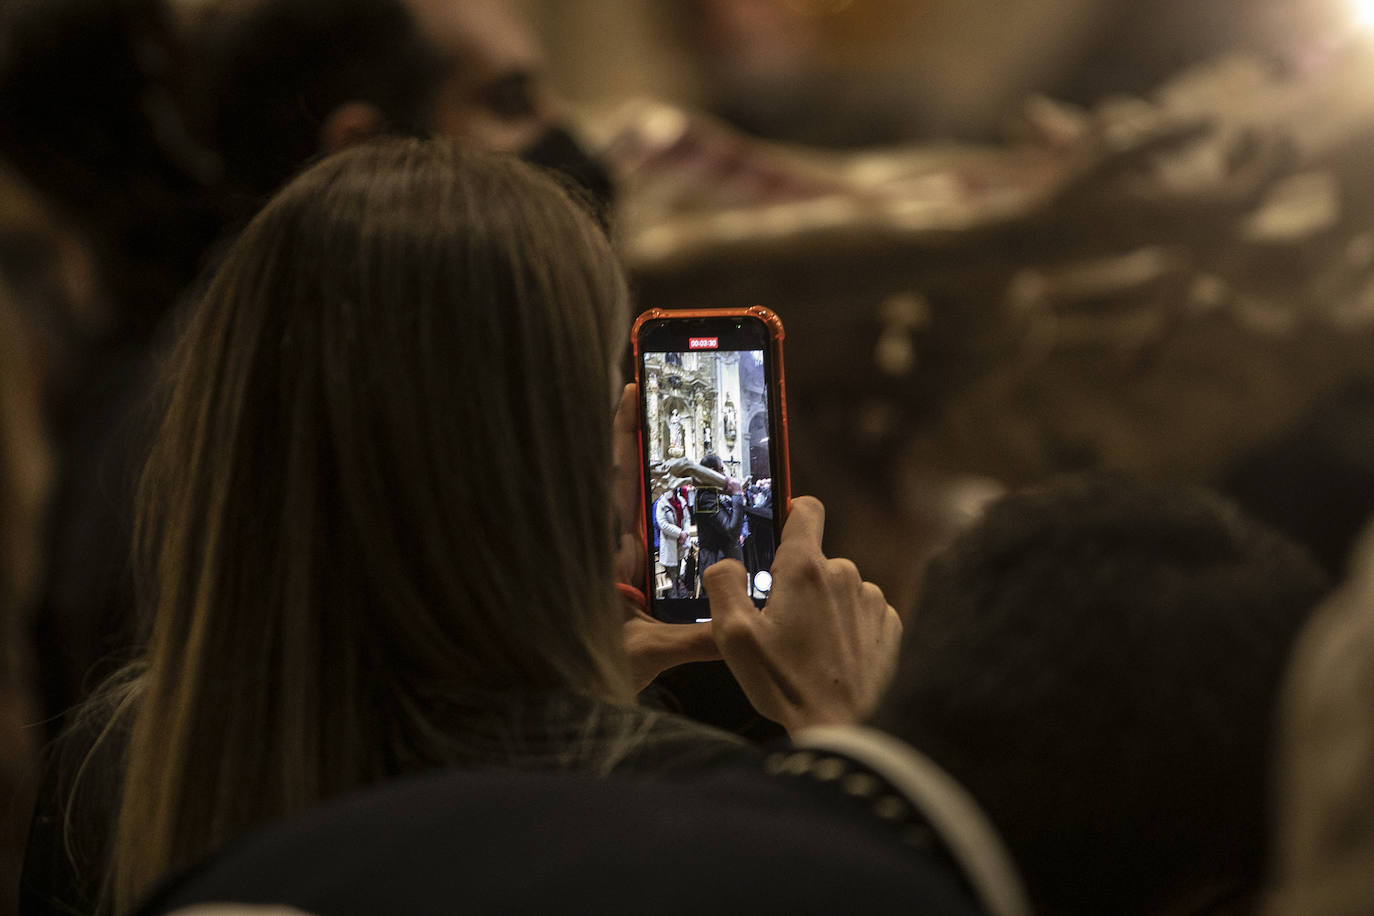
<point>1153,284</point>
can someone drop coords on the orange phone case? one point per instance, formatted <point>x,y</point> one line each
<point>775,337</point>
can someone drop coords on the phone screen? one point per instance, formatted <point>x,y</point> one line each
<point>713,486</point>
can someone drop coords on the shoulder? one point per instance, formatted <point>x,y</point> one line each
<point>664,743</point>
<point>531,842</point>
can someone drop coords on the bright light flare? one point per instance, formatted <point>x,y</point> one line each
<point>1363,11</point>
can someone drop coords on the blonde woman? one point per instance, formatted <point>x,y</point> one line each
<point>378,527</point>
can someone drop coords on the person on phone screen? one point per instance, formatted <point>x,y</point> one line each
<point>720,518</point>
<point>672,518</point>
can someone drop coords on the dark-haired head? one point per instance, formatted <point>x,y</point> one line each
<point>287,79</point>
<point>275,72</point>
<point>400,379</point>
<point>92,116</point>
<point>1097,660</point>
<point>714,463</point>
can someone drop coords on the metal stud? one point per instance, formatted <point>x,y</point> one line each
<point>890,808</point>
<point>829,769</point>
<point>861,785</point>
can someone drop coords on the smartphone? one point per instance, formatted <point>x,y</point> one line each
<point>713,450</point>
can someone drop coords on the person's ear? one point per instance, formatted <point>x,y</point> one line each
<point>350,124</point>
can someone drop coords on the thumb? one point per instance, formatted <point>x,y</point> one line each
<point>654,647</point>
<point>629,561</point>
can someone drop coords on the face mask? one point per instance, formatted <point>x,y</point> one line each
<point>555,149</point>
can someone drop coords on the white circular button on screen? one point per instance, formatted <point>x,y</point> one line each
<point>763,580</point>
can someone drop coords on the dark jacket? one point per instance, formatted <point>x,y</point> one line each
<point>68,851</point>
<point>719,518</point>
<point>502,842</point>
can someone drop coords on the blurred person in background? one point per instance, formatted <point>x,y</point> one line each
<point>25,468</point>
<point>1097,661</point>
<point>284,81</point>
<point>90,118</point>
<point>91,115</point>
<point>1324,850</point>
<point>47,300</point>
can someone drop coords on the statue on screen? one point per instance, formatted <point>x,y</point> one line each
<point>677,435</point>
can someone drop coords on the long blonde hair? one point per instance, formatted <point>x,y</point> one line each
<point>383,480</point>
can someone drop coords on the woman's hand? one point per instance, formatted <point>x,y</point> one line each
<point>823,648</point>
<point>655,646</point>
<point>652,645</point>
<point>629,559</point>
